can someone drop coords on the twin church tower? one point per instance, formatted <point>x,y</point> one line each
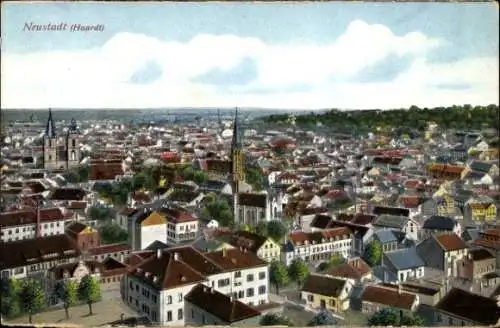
<point>60,151</point>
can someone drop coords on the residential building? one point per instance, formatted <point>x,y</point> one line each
<point>146,228</point>
<point>265,248</point>
<point>30,223</point>
<point>206,306</point>
<point>156,287</point>
<point>354,269</point>
<point>387,239</point>
<point>325,292</point>
<point>399,223</point>
<point>32,257</point>
<point>462,308</point>
<point>375,298</point>
<point>438,225</point>
<point>318,246</point>
<point>182,226</point>
<point>401,265</point>
<point>478,263</point>
<point>84,236</point>
<point>479,211</point>
<point>443,253</point>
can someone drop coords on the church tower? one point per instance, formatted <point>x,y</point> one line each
<point>73,145</point>
<point>238,165</point>
<point>50,144</point>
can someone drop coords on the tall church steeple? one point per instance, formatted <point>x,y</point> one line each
<point>238,165</point>
<point>237,152</point>
<point>50,129</point>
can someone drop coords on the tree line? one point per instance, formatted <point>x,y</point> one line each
<point>361,121</point>
<point>28,297</point>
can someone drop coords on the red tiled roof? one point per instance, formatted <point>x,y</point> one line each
<point>390,297</point>
<point>451,242</point>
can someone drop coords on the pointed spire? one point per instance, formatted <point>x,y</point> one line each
<point>50,130</point>
<point>236,144</point>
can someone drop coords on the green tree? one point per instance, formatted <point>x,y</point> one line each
<point>89,291</point>
<point>83,173</point>
<point>254,178</point>
<point>220,211</point>
<point>139,181</point>
<point>261,228</point>
<point>412,321</point>
<point>112,233</point>
<point>10,305</point>
<point>67,292</point>
<point>275,319</point>
<point>373,253</point>
<point>278,275</point>
<point>31,297</point>
<point>384,317</point>
<point>101,213</point>
<point>276,230</point>
<point>199,177</point>
<point>322,318</point>
<point>334,261</point>
<point>298,271</point>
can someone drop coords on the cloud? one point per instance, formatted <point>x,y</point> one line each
<point>368,66</point>
<point>147,74</point>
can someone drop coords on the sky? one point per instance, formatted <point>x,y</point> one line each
<point>263,55</point>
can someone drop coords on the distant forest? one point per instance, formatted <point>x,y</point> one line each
<point>464,117</point>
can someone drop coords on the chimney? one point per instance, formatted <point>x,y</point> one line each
<point>224,252</point>
<point>176,256</point>
<point>399,289</point>
<point>158,253</point>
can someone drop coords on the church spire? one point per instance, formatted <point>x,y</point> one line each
<point>50,130</point>
<point>236,143</point>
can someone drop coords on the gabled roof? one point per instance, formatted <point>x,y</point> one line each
<point>473,307</point>
<point>437,222</point>
<point>391,221</point>
<point>389,297</point>
<point>323,285</point>
<point>404,259</point>
<point>219,305</point>
<point>385,236</point>
<point>450,242</point>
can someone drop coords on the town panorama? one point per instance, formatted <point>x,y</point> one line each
<point>145,181</point>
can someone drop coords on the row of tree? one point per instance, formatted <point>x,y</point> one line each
<point>322,318</point>
<point>453,117</point>
<point>28,296</point>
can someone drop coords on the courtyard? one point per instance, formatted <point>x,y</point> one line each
<point>103,312</point>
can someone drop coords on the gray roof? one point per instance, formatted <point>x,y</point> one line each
<point>405,259</point>
<point>385,236</point>
<point>391,221</point>
<point>437,222</point>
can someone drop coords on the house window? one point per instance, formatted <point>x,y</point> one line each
<point>169,299</point>
<point>179,314</point>
<point>237,274</point>
<point>131,286</point>
<point>250,292</point>
<point>169,316</point>
<point>180,297</point>
<point>262,275</point>
<point>450,321</point>
<point>262,290</point>
<point>154,298</point>
<point>192,313</point>
<point>250,277</point>
<point>331,302</point>
<point>241,294</point>
<point>310,298</point>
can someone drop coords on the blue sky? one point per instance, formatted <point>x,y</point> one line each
<point>310,55</point>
